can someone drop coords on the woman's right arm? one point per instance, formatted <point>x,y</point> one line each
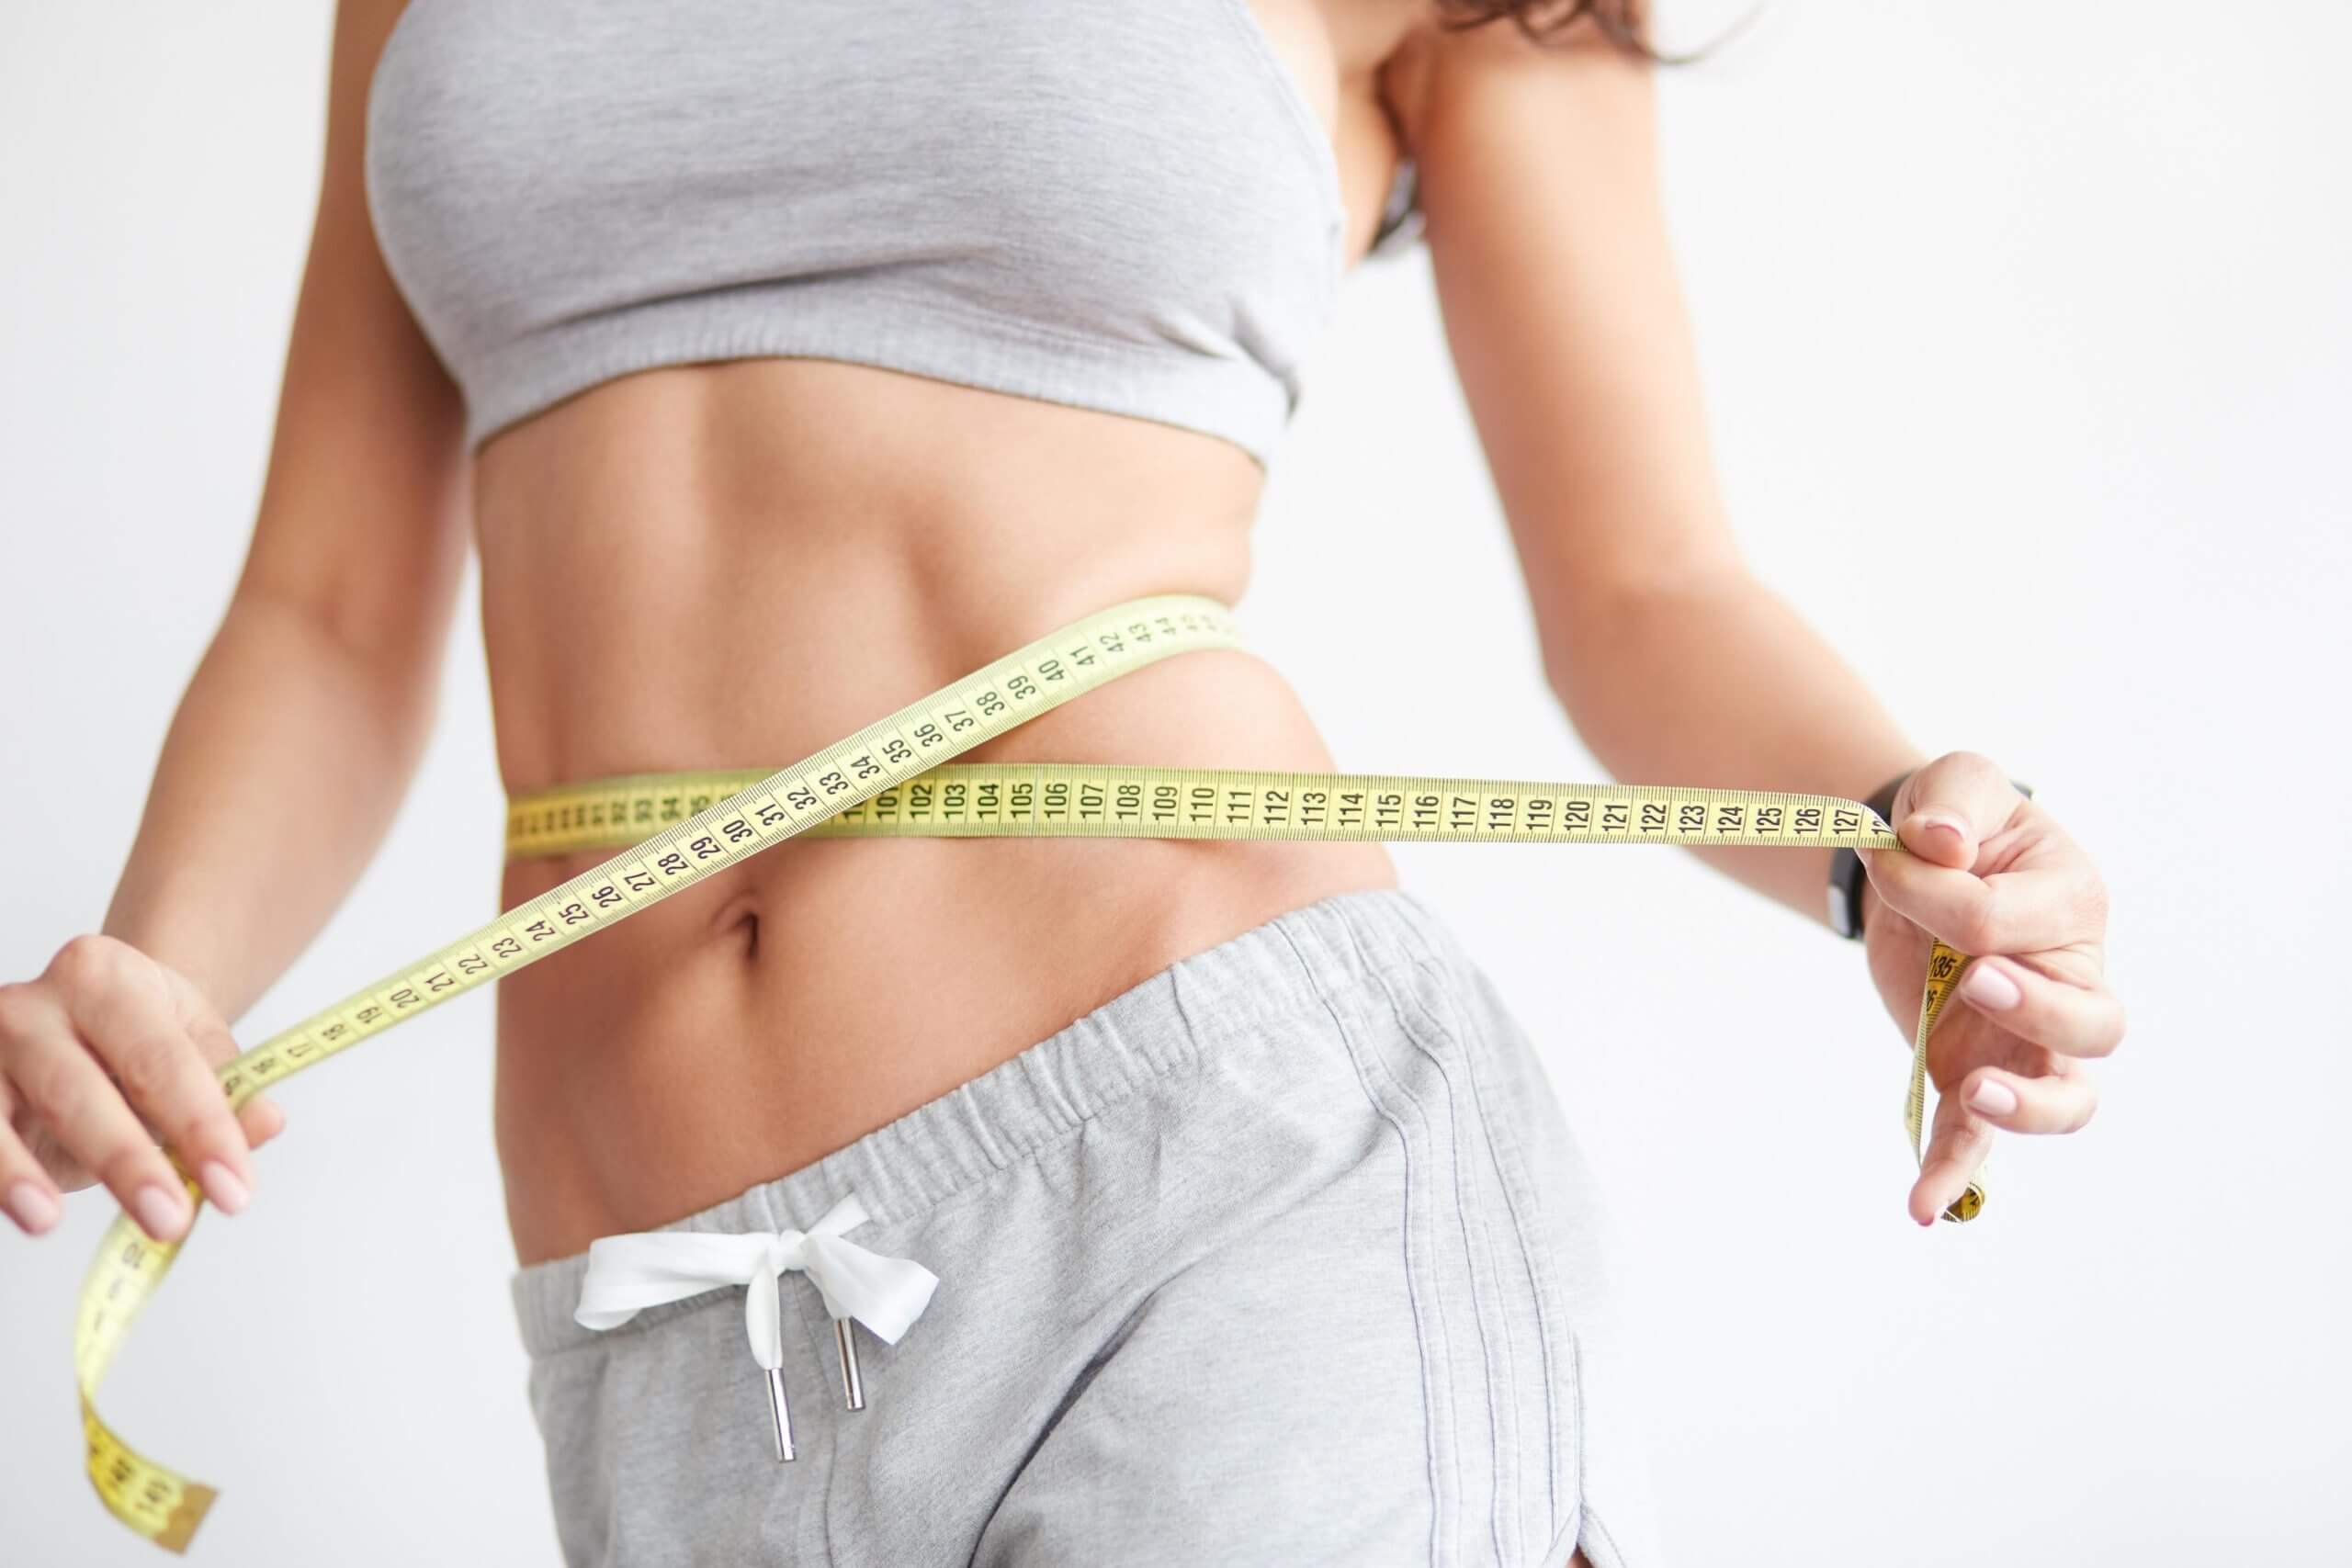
<point>291,749</point>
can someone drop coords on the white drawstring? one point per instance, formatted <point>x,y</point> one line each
<point>630,1273</point>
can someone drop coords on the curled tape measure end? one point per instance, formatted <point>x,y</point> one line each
<point>1946,965</point>
<point>155,1502</point>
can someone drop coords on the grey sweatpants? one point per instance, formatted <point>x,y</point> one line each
<point>1283,1256</point>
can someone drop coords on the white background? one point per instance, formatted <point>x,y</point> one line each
<point>2026,332</point>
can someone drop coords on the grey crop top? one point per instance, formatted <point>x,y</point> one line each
<point>1120,206</point>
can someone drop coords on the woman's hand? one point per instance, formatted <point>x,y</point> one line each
<point>1992,873</point>
<point>107,1045</point>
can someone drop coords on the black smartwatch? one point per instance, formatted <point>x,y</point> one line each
<point>1845,872</point>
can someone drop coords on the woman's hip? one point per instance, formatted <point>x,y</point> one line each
<point>1283,1254</point>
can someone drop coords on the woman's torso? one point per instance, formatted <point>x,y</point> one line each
<point>730,565</point>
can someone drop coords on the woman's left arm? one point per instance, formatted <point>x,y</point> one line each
<point>1548,239</point>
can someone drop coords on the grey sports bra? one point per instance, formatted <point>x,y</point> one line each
<point>1125,206</point>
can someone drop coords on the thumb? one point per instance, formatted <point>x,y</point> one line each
<point>1947,809</point>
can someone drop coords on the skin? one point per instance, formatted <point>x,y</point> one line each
<point>788,503</point>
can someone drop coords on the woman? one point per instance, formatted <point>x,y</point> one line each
<point>865,342</point>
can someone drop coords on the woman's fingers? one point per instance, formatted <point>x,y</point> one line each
<point>1958,1144</point>
<point>30,1194</point>
<point>1983,868</point>
<point>2060,1101</point>
<point>1946,808</point>
<point>120,1005</point>
<point>2081,1020</point>
<point>2044,898</point>
<point>2040,1091</point>
<point>100,1058</point>
<point>90,1120</point>
<point>259,1118</point>
<point>26,1190</point>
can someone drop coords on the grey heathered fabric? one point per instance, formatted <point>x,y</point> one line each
<point>1283,1256</point>
<point>1122,207</point>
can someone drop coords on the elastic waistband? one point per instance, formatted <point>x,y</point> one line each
<point>1206,1000</point>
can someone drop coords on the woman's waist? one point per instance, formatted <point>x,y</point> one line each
<point>834,986</point>
<point>809,902</point>
<point>1209,706</point>
<point>787,1005</point>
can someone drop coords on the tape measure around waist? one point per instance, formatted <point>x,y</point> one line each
<point>1008,800</point>
<point>893,778</point>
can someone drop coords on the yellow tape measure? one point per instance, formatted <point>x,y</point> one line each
<point>1008,800</point>
<point>673,829</point>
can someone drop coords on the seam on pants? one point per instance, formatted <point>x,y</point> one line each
<point>1505,1148</point>
<point>1372,970</point>
<point>1448,1377</point>
<point>1475,1039</point>
<point>1504,1453</point>
<point>1571,1536</point>
<point>1506,1153</point>
<point>1412,1287</point>
<point>1583,1430</point>
<point>1609,1540</point>
<point>1565,1541</point>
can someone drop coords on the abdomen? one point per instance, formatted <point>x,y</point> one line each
<point>732,565</point>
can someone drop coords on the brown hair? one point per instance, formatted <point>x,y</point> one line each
<point>1620,21</point>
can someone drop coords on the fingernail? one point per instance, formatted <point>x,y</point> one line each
<point>221,1185</point>
<point>32,1208</point>
<point>1928,820</point>
<point>1988,988</point>
<point>160,1213</point>
<point>1993,1097</point>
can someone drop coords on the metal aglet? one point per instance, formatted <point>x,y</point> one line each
<point>782,1414</point>
<point>853,1385</point>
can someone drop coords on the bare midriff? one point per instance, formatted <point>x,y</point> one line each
<point>732,566</point>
